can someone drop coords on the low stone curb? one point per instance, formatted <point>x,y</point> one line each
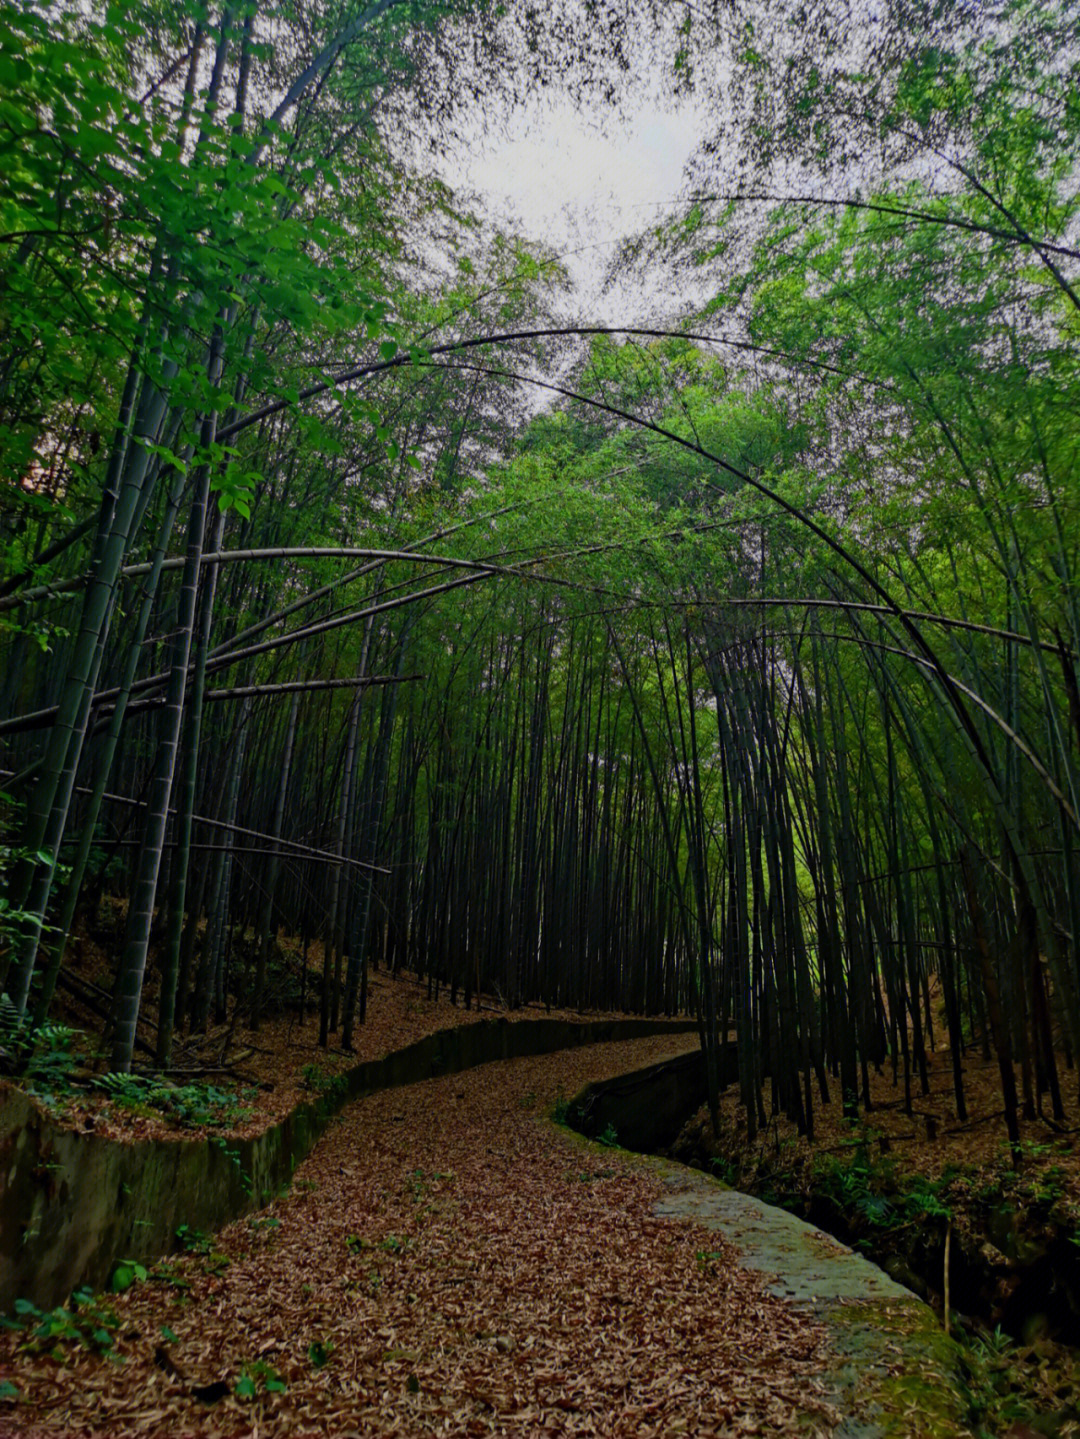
<point>892,1378</point>
<point>72,1204</point>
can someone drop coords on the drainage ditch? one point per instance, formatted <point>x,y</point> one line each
<point>1014,1258</point>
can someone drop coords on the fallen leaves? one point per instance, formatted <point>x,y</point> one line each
<point>399,1013</point>
<point>494,1293</point>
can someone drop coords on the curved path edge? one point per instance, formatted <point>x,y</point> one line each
<point>72,1204</point>
<point>894,1369</point>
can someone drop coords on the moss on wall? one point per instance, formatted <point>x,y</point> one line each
<point>72,1204</point>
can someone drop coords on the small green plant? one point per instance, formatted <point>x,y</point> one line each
<point>726,1170</point>
<point>609,1138</point>
<point>125,1273</point>
<point>124,1089</point>
<point>924,1200</point>
<point>235,1159</point>
<point>192,1106</point>
<point>561,1109</point>
<point>994,1342</point>
<point>259,1375</point>
<point>323,1081</point>
<point>40,1056</point>
<point>193,1241</point>
<point>588,1176</point>
<point>83,1321</point>
<point>319,1352</point>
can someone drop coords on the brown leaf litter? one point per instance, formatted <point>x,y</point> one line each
<point>448,1262</point>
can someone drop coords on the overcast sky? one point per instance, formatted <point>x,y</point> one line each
<point>580,187</point>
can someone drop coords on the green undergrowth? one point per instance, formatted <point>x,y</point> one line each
<point>320,1080</point>
<point>875,1196</point>
<point>85,1322</point>
<point>900,1217</point>
<point>40,1057</point>
<point>191,1106</point>
<point>50,1062</point>
<point>563,1111</point>
<point>922,1395</point>
<point>566,1113</point>
<point>961,1384</point>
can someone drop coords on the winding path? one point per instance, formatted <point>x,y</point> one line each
<point>449,1262</point>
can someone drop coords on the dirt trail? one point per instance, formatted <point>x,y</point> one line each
<point>449,1262</point>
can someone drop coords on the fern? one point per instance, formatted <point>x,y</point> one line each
<point>40,1055</point>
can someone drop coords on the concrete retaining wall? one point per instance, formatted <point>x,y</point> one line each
<point>646,1108</point>
<point>72,1203</point>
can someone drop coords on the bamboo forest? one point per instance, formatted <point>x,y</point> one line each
<point>539,717</point>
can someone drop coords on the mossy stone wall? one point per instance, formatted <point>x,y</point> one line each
<point>72,1204</point>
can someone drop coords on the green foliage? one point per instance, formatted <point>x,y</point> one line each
<point>235,1159</point>
<point>12,917</point>
<point>125,1273</point>
<point>319,1352</point>
<point>191,1106</point>
<point>322,1081</point>
<point>562,1111</point>
<point>265,1222</point>
<point>83,1321</point>
<point>315,1077</point>
<point>726,1170</point>
<point>41,1056</point>
<point>851,1186</point>
<point>1005,1386</point>
<point>193,1241</point>
<point>259,1376</point>
<point>593,1176</point>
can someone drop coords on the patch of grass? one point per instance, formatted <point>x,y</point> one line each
<point>1004,1384</point>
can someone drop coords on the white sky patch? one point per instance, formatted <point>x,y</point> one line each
<point>581,186</point>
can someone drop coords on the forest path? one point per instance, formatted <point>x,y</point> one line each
<point>450,1262</point>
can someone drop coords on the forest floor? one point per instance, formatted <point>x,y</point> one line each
<point>447,1261</point>
<point>966,1166</point>
<point>901,1187</point>
<point>248,1079</point>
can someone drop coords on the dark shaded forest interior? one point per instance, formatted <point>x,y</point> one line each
<point>386,600</point>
